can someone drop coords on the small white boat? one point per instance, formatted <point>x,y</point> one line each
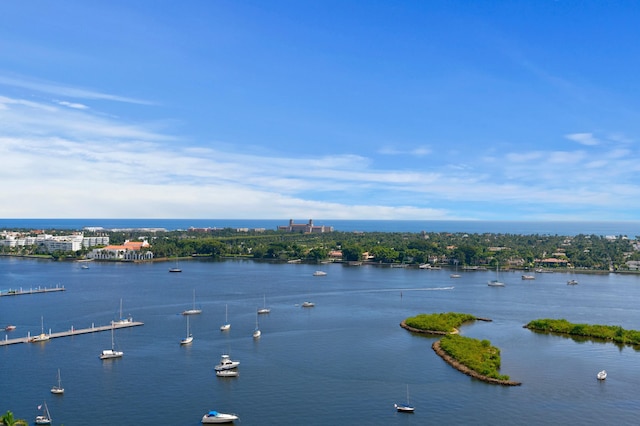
<point>216,417</point>
<point>424,266</point>
<point>226,363</point>
<point>528,277</point>
<point>319,273</point>
<point>257,333</point>
<point>58,390</point>
<point>496,282</point>
<point>602,375</point>
<point>45,417</point>
<point>122,319</point>
<point>111,353</point>
<point>308,304</point>
<point>226,326</point>
<point>454,276</point>
<point>572,282</point>
<point>227,373</point>
<point>264,309</point>
<point>188,339</point>
<point>10,327</point>
<point>405,407</point>
<point>193,310</point>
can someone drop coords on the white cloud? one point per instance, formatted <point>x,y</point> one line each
<point>73,105</point>
<point>79,163</point>
<point>583,138</point>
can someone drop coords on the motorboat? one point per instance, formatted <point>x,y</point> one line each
<point>226,363</point>
<point>10,327</point>
<point>175,270</point>
<point>528,277</point>
<point>264,309</point>
<point>319,273</point>
<point>572,282</point>
<point>602,375</point>
<point>193,310</point>
<point>111,353</point>
<point>216,417</point>
<point>308,304</point>
<point>45,417</point>
<point>58,390</point>
<point>227,373</point>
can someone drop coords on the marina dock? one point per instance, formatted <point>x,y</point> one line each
<point>72,332</point>
<point>37,290</point>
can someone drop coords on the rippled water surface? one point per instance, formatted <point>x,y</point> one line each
<point>345,361</point>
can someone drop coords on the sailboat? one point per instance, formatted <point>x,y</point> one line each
<point>175,268</point>
<point>192,311</point>
<point>226,326</point>
<point>122,319</point>
<point>189,338</point>
<point>45,417</point>
<point>264,309</point>
<point>496,282</point>
<point>111,353</point>
<point>257,333</point>
<point>405,407</point>
<point>455,274</point>
<point>58,390</point>
<point>41,337</point>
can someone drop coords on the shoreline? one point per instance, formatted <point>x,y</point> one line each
<point>463,369</point>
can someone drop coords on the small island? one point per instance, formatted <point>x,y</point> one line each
<point>473,357</point>
<point>442,324</point>
<point>611,333</point>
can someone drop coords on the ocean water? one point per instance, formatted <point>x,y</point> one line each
<point>630,229</point>
<point>345,361</point>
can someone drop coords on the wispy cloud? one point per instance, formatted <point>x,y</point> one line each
<point>66,91</point>
<point>417,151</point>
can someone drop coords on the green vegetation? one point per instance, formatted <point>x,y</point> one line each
<point>589,252</point>
<point>444,322</point>
<point>477,355</point>
<point>606,332</point>
<point>7,419</point>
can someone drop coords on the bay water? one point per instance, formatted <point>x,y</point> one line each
<point>345,361</point>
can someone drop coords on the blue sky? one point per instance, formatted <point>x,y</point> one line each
<point>490,110</point>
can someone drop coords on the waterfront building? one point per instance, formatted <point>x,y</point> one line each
<point>305,228</point>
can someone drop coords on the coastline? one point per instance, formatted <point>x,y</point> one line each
<point>463,369</point>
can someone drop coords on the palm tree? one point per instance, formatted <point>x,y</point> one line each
<point>8,420</point>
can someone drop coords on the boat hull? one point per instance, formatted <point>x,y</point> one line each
<point>110,354</point>
<point>219,418</point>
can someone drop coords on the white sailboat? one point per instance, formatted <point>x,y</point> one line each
<point>193,310</point>
<point>496,282</point>
<point>455,274</point>
<point>45,417</point>
<point>226,326</point>
<point>257,333</point>
<point>41,337</point>
<point>122,319</point>
<point>111,353</point>
<point>189,338</point>
<point>58,390</point>
<point>405,407</point>
<point>264,309</point>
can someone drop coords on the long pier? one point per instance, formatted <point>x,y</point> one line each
<point>37,290</point>
<point>72,332</point>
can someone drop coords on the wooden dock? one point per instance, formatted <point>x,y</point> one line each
<point>72,332</point>
<point>37,290</point>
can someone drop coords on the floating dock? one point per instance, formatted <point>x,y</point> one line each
<point>37,290</point>
<point>72,332</point>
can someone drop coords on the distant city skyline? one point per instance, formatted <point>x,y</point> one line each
<point>524,110</point>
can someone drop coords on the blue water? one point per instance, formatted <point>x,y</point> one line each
<point>345,361</point>
<point>630,228</point>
